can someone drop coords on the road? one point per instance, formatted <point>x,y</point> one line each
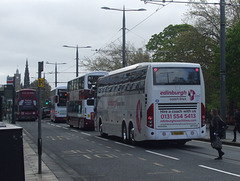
<point>74,154</point>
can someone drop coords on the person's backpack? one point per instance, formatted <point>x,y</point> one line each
<point>222,128</point>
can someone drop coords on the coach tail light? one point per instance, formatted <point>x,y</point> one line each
<point>203,121</point>
<point>150,117</point>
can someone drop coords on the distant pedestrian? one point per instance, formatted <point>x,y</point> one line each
<point>214,131</point>
<point>237,123</point>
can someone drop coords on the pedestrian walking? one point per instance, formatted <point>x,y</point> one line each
<point>237,123</point>
<point>214,132</point>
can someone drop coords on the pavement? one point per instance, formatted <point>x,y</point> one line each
<point>31,157</point>
<point>31,164</point>
<point>228,139</point>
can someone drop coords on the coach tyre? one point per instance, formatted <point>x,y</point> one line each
<point>71,126</point>
<point>124,133</point>
<point>101,129</point>
<point>131,134</point>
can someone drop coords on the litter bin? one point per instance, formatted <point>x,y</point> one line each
<point>11,153</point>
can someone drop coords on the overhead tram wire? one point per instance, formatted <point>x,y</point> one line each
<point>159,8</point>
<point>185,2</point>
<point>97,50</point>
<point>117,39</point>
<point>112,38</point>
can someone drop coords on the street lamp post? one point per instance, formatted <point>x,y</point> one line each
<point>56,64</point>
<point>123,29</point>
<point>77,47</point>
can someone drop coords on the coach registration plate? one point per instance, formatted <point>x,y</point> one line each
<point>178,133</point>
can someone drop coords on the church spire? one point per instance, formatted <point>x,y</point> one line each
<point>26,76</point>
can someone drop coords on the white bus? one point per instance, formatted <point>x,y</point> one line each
<point>58,98</point>
<point>80,105</point>
<point>152,101</point>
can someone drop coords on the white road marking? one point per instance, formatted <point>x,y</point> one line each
<point>159,154</point>
<point>88,157</point>
<point>221,171</point>
<point>74,131</point>
<point>175,170</point>
<point>158,164</point>
<point>85,133</point>
<point>124,145</point>
<point>101,138</point>
<point>140,158</point>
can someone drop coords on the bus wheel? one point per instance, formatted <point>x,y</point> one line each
<point>131,134</point>
<point>124,133</point>
<point>101,129</point>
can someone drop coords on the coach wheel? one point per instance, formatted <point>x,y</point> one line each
<point>131,134</point>
<point>79,125</point>
<point>70,125</point>
<point>124,133</point>
<point>101,129</point>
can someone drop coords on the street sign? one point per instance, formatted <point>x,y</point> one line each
<point>40,82</point>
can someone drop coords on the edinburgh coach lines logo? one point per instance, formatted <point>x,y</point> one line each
<point>173,93</point>
<point>191,94</point>
<point>178,95</point>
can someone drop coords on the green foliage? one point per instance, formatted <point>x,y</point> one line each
<point>163,43</point>
<point>232,66</point>
<point>181,43</point>
<point>233,63</point>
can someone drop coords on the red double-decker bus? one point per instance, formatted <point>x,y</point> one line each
<point>26,104</point>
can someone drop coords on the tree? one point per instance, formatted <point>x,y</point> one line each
<point>111,59</point>
<point>181,43</point>
<point>232,69</point>
<point>233,63</point>
<point>206,17</point>
<point>163,42</point>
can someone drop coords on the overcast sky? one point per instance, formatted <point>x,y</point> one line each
<point>37,29</point>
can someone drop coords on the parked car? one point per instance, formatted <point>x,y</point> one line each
<point>45,112</point>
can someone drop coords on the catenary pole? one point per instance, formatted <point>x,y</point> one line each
<point>222,61</point>
<point>124,39</point>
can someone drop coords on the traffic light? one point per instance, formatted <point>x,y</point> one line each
<point>48,102</point>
